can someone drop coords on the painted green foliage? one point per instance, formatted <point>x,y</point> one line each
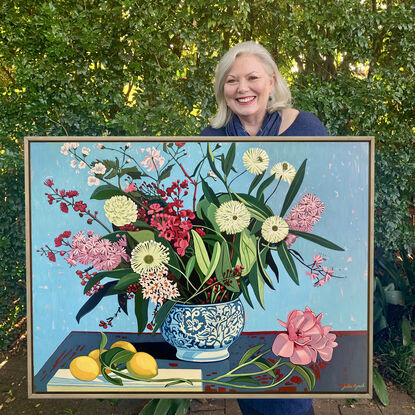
<point>118,68</point>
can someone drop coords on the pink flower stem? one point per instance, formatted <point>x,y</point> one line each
<point>86,212</point>
<point>194,184</point>
<point>310,267</point>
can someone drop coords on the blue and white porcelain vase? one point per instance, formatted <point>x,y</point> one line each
<point>203,332</point>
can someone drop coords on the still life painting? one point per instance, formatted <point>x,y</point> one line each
<point>177,266</point>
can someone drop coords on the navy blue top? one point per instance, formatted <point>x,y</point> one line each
<point>306,124</point>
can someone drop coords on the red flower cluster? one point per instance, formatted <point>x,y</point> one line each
<point>172,221</point>
<point>59,239</point>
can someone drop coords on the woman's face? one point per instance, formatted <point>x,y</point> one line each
<point>247,88</point>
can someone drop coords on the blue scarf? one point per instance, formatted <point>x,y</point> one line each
<point>270,126</point>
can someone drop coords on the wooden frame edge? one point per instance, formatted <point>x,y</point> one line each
<point>70,395</point>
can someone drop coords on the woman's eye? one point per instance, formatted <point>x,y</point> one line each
<point>252,78</point>
<point>230,81</point>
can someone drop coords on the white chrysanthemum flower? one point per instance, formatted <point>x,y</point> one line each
<point>255,160</point>
<point>274,229</point>
<point>232,217</point>
<point>120,210</point>
<point>149,256</point>
<point>284,171</point>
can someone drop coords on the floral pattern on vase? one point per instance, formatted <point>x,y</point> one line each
<point>203,332</point>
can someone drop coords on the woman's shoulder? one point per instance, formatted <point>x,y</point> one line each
<point>306,124</point>
<point>210,131</point>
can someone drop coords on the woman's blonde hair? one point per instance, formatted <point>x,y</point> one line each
<point>280,96</point>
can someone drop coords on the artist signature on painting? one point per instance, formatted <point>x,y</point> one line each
<point>353,386</point>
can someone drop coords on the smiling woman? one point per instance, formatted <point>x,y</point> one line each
<point>254,99</point>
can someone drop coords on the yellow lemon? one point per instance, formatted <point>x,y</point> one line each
<point>124,345</point>
<point>95,355</point>
<point>143,365</point>
<point>84,368</point>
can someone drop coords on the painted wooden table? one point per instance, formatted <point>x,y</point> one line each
<point>343,374</point>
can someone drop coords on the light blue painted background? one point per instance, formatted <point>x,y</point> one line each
<point>337,172</point>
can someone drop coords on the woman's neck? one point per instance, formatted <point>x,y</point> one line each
<point>252,126</point>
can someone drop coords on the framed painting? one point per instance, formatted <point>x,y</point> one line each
<point>199,267</point>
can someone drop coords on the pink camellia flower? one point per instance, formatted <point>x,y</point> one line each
<point>305,337</point>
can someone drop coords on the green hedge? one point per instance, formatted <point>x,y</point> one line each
<point>112,67</point>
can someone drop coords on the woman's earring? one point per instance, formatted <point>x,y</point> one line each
<point>270,98</point>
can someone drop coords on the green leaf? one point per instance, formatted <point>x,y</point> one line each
<point>211,216</point>
<point>103,342</point>
<point>126,281</point>
<point>264,364</point>
<point>189,266</point>
<point>122,356</point>
<point>230,157</point>
<point>163,407</point>
<point>247,251</point>
<point>294,188</point>
<point>183,406</point>
<point>106,191</point>
<point>117,273</point>
<point>249,353</point>
<point>288,261</point>
<point>224,264</point>
<point>317,239</point>
<point>116,356</point>
<point>150,408</point>
<point>166,173</point>
<point>380,387</point>
<point>262,264</point>
<point>394,297</point>
<point>141,311</point>
<point>133,172</point>
<point>209,193</point>
<point>406,331</point>
<point>256,181</point>
<point>94,300</point>
<point>211,161</point>
<point>263,186</point>
<point>114,381</point>
<point>162,314</point>
<point>213,262</point>
<point>243,379</point>
<point>245,292</point>
<point>305,373</point>
<point>142,236</point>
<point>253,206</point>
<point>257,284</point>
<point>202,256</point>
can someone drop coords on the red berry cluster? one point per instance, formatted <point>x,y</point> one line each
<point>131,290</point>
<point>85,277</point>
